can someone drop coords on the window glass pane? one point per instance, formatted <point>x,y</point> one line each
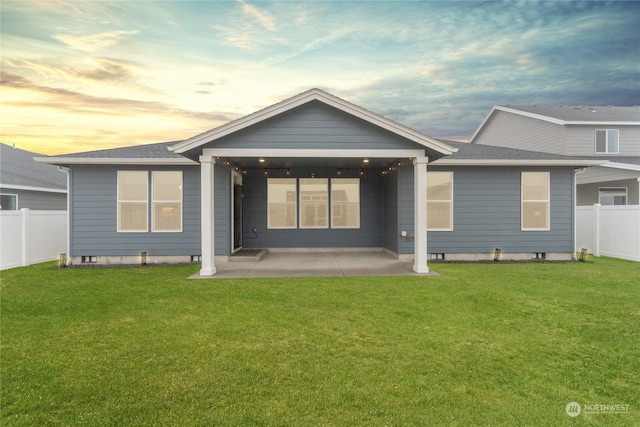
<point>281,201</point>
<point>132,185</point>
<point>133,216</point>
<point>167,186</point>
<point>534,215</point>
<point>314,200</point>
<point>345,202</point>
<point>8,202</point>
<point>439,216</point>
<point>535,186</point>
<point>601,141</point>
<point>439,185</point>
<point>167,216</point>
<point>612,141</point>
<point>619,200</point>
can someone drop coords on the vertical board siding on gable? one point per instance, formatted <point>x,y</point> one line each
<point>94,219</point>
<point>581,140</point>
<point>514,131</point>
<point>486,213</point>
<point>314,126</point>
<point>370,233</point>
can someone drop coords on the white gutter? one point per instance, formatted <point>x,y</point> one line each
<point>507,162</point>
<point>107,161</point>
<point>29,188</point>
<point>574,178</point>
<point>66,170</point>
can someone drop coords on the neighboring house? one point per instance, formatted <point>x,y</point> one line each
<point>25,183</point>
<point>315,171</point>
<point>606,133</point>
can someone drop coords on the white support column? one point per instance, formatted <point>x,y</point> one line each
<point>207,169</point>
<point>420,215</point>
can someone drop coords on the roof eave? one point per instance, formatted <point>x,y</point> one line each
<point>109,161</point>
<point>31,188</point>
<point>515,162</point>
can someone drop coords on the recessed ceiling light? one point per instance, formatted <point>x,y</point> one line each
<point>261,160</point>
<point>365,160</point>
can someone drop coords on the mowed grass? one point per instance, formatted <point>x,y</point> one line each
<point>480,344</point>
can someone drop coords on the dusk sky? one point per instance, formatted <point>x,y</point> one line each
<point>90,75</point>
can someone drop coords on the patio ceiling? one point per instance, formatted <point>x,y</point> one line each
<point>311,162</point>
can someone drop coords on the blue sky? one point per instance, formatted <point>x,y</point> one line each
<point>84,75</point>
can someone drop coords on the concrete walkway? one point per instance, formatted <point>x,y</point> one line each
<point>314,264</point>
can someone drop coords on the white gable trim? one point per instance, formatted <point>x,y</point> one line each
<point>301,99</point>
<point>311,153</point>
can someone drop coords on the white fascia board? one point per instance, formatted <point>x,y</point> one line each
<point>532,115</point>
<point>602,123</point>
<point>625,166</point>
<point>29,188</point>
<point>108,161</point>
<point>486,119</point>
<point>301,99</point>
<point>503,162</point>
<point>305,153</point>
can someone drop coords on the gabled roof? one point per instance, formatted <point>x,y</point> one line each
<point>489,155</point>
<point>149,154</point>
<point>18,170</point>
<point>301,99</point>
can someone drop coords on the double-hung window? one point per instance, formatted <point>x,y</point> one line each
<point>167,201</point>
<point>439,201</point>
<point>535,201</point>
<point>607,141</point>
<point>133,199</point>
<point>345,203</point>
<point>282,199</point>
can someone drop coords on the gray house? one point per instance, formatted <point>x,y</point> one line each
<point>25,183</point>
<point>603,133</point>
<point>314,172</point>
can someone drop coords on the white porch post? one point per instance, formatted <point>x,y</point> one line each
<point>206,212</point>
<point>420,215</point>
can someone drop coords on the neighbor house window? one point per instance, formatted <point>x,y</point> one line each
<point>607,141</point>
<point>439,201</point>
<point>166,201</point>
<point>535,200</point>
<point>314,203</point>
<point>133,194</point>
<point>612,196</point>
<point>8,202</point>
<point>282,199</point>
<point>345,203</point>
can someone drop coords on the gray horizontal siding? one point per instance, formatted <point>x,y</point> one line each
<point>581,140</point>
<point>94,216</point>
<point>486,213</point>
<point>370,233</point>
<point>315,126</point>
<point>38,200</point>
<point>510,130</point>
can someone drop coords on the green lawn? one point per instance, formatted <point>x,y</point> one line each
<point>480,344</point>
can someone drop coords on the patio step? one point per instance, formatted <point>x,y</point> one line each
<point>245,255</point>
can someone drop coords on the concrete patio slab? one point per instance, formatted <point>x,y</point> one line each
<point>315,264</point>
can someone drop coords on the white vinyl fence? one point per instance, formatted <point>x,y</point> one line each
<point>609,230</point>
<point>30,237</point>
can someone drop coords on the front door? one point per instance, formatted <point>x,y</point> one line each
<point>237,216</point>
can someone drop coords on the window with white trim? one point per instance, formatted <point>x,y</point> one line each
<point>535,204</point>
<point>133,199</point>
<point>612,196</point>
<point>314,202</point>
<point>282,201</point>
<point>607,141</point>
<point>8,202</point>
<point>345,203</point>
<point>439,201</point>
<point>166,204</point>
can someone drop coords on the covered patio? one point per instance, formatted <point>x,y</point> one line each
<point>330,263</point>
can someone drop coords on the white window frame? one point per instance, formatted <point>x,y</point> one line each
<point>120,202</point>
<point>302,203</point>
<point>607,149</point>
<point>449,202</point>
<point>294,204</point>
<point>547,201</point>
<point>613,191</point>
<point>333,203</point>
<point>154,202</point>
<point>15,196</point>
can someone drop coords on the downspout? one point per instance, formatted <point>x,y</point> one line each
<point>575,211</point>
<point>68,172</point>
